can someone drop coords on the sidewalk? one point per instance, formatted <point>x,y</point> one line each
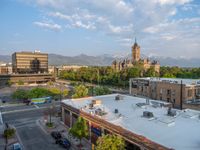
<point>11,141</point>
<point>59,126</point>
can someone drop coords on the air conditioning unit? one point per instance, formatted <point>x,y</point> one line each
<point>116,111</point>
<point>148,114</point>
<point>119,97</point>
<point>171,112</point>
<point>96,102</point>
<point>91,106</point>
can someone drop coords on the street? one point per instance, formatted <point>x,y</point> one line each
<point>29,132</point>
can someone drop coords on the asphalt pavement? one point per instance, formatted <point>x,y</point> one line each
<point>24,118</point>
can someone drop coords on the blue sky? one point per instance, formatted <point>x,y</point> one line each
<point>94,27</point>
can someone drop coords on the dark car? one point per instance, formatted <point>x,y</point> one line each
<point>64,143</point>
<point>56,135</point>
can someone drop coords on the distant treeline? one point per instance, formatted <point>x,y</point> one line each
<point>108,76</point>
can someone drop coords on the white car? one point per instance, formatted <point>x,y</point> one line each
<point>17,146</point>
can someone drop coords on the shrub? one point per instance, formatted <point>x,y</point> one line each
<point>9,132</point>
<point>49,124</point>
<point>20,82</point>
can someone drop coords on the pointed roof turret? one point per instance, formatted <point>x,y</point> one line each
<point>135,44</point>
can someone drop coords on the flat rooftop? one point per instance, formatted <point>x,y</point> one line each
<point>173,80</point>
<point>180,130</point>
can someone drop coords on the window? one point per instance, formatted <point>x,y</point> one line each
<point>189,93</point>
<point>168,92</point>
<point>168,99</point>
<point>174,100</point>
<point>161,91</point>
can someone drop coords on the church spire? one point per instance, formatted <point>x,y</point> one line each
<point>135,40</point>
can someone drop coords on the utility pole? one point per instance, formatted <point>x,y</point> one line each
<point>181,96</point>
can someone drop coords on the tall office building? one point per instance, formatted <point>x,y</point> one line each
<point>29,62</point>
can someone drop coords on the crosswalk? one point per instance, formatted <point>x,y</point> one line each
<point>22,123</point>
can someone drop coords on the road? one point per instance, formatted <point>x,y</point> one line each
<point>30,134</point>
<point>12,109</point>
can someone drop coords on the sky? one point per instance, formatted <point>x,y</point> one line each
<point>169,28</point>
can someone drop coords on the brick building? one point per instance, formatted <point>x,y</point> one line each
<point>176,91</point>
<point>143,124</point>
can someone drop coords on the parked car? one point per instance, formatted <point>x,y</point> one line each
<point>56,135</point>
<point>17,146</point>
<point>64,143</point>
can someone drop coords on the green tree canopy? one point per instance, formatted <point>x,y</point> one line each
<point>150,72</point>
<point>20,82</point>
<point>65,92</point>
<point>79,129</point>
<point>80,91</point>
<point>38,92</point>
<point>134,72</point>
<point>20,94</point>
<point>110,142</point>
<point>101,90</point>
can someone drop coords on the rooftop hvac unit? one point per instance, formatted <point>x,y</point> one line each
<point>147,101</point>
<point>91,106</point>
<point>148,114</point>
<point>171,112</point>
<point>119,97</point>
<point>96,102</point>
<point>100,112</point>
<point>116,111</point>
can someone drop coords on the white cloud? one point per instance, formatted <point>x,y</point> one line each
<point>60,15</point>
<point>168,37</point>
<point>149,20</point>
<point>79,24</point>
<point>50,26</point>
<point>151,29</point>
<point>171,2</point>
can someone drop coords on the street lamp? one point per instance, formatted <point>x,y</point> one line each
<point>61,92</point>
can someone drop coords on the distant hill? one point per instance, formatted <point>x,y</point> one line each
<point>106,60</point>
<point>5,58</point>
<point>82,59</point>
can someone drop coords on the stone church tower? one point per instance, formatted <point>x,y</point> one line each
<point>135,52</point>
<point>128,63</point>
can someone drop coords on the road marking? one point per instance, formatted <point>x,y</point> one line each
<point>41,127</point>
<point>21,110</point>
<point>36,106</point>
<point>1,120</point>
<point>20,141</point>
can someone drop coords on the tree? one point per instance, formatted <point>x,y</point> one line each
<point>79,129</point>
<point>150,72</point>
<point>9,82</point>
<point>134,72</point>
<point>168,75</point>
<point>55,92</point>
<point>110,142</point>
<point>80,91</point>
<point>65,92</point>
<point>20,94</point>
<point>9,132</point>
<point>38,93</point>
<point>101,90</point>
<point>50,111</point>
<point>20,82</point>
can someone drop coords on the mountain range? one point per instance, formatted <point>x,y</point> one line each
<point>106,60</point>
